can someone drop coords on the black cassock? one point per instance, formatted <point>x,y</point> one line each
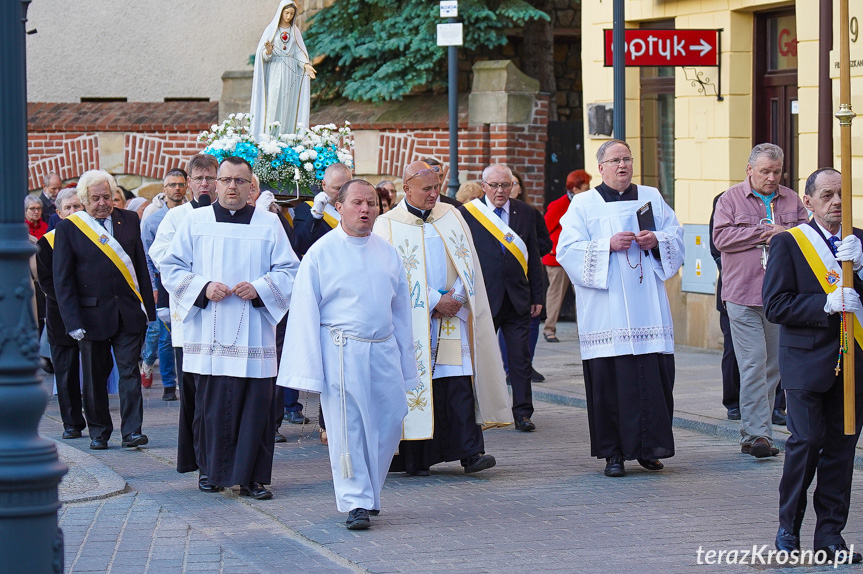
<point>629,397</point>
<point>234,432</point>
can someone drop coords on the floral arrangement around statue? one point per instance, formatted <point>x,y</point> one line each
<point>290,163</point>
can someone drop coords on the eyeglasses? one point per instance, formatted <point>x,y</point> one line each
<point>35,208</point>
<point>617,160</point>
<point>201,178</point>
<point>226,181</point>
<point>176,185</point>
<point>503,186</point>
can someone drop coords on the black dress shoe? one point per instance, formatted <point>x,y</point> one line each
<point>839,554</point>
<point>614,466</point>
<point>48,366</point>
<point>653,464</point>
<point>779,417</point>
<point>536,377</point>
<point>420,472</point>
<point>98,444</point>
<point>255,490</point>
<point>169,394</point>
<point>358,519</point>
<point>204,485</point>
<point>296,418</point>
<point>280,437</point>
<point>374,512</point>
<point>134,440</point>
<point>787,541</point>
<point>734,414</point>
<point>71,433</point>
<point>524,424</point>
<point>478,462</point>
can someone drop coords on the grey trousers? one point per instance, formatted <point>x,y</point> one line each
<point>756,345</point>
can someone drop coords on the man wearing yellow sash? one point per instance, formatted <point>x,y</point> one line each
<point>803,293</point>
<point>460,371</point>
<point>504,232</point>
<point>64,349</point>
<point>98,267</point>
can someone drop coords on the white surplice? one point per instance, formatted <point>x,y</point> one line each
<point>617,313</point>
<point>356,285</point>
<point>164,236</point>
<point>232,337</point>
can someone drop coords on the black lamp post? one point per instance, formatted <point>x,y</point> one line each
<point>30,540</point>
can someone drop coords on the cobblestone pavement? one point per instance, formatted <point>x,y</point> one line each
<point>546,506</point>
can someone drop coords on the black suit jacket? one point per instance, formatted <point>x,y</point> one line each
<point>794,299</point>
<point>91,291</point>
<point>57,333</point>
<point>48,207</point>
<point>501,270</point>
<point>307,229</point>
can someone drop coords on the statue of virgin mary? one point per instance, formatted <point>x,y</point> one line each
<point>280,85</point>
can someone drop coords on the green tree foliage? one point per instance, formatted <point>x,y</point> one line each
<point>377,50</point>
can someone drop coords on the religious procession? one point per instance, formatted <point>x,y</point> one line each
<point>313,272</point>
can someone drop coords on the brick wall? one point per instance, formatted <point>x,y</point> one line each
<point>522,147</point>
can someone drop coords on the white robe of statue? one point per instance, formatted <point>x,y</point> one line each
<point>619,313</point>
<point>232,337</point>
<point>358,285</point>
<point>280,86</point>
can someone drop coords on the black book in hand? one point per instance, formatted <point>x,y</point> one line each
<point>645,220</point>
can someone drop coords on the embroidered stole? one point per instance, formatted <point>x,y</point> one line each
<point>824,265</point>
<point>500,230</point>
<point>331,216</point>
<point>112,249</point>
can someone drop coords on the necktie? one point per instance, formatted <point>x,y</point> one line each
<point>499,212</point>
<point>833,241</point>
<point>102,222</point>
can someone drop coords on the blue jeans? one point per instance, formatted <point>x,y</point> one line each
<point>534,337</point>
<point>151,344</point>
<point>158,340</point>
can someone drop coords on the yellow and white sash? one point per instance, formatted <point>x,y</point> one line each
<point>410,243</point>
<point>49,237</point>
<point>331,216</point>
<point>500,230</point>
<point>827,270</point>
<point>110,247</point>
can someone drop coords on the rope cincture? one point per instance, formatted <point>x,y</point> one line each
<point>340,340</point>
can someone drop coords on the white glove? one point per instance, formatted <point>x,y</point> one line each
<point>850,250</point>
<point>164,315</point>
<point>77,334</point>
<point>265,200</point>
<point>321,201</point>
<point>834,301</point>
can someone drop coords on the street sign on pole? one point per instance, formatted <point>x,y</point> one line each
<point>449,34</point>
<point>666,47</point>
<point>449,9</point>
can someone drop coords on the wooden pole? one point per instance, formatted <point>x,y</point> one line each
<point>846,116</point>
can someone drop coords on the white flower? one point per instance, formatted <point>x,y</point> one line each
<point>309,166</point>
<point>214,127</point>
<point>313,155</point>
<point>305,155</point>
<point>299,149</point>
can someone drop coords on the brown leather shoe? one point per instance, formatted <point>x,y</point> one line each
<point>761,448</point>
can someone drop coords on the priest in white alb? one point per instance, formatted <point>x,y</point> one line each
<point>230,268</point>
<point>350,340</point>
<point>619,267</point>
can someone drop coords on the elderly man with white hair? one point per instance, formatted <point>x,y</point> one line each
<point>101,285</point>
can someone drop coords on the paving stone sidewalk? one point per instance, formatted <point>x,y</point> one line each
<point>546,506</point>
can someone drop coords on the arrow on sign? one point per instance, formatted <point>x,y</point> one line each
<point>704,47</point>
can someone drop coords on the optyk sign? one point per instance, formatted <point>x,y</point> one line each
<point>667,48</point>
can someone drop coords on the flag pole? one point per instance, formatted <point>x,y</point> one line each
<point>846,116</point>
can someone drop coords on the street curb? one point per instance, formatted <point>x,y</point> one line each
<point>728,430</point>
<point>96,479</point>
